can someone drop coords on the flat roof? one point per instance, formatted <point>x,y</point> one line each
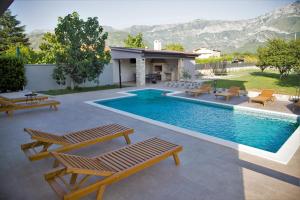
<point>155,53</point>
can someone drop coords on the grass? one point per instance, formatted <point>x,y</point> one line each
<point>79,89</point>
<point>257,80</point>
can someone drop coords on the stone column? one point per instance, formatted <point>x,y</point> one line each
<point>140,71</point>
<point>179,68</point>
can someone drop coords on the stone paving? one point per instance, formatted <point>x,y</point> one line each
<point>207,170</point>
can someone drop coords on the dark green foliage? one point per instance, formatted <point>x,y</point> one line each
<point>12,73</point>
<point>282,54</point>
<point>11,33</point>
<point>81,51</point>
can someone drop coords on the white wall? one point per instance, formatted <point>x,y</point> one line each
<point>39,78</point>
<point>189,65</point>
<point>127,71</point>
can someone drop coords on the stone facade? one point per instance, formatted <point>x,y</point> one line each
<point>140,71</point>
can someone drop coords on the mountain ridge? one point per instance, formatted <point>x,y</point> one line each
<point>225,35</point>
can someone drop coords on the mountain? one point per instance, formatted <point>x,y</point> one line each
<point>224,35</point>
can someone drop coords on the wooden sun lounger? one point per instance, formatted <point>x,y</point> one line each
<point>70,141</point>
<point>263,97</point>
<point>111,167</point>
<point>10,107</point>
<point>24,99</point>
<point>231,92</point>
<point>205,88</point>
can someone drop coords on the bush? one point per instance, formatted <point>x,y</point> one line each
<point>12,73</point>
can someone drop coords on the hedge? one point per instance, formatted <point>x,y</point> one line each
<point>12,74</point>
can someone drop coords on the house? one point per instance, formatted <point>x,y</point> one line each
<point>142,65</point>
<point>127,65</point>
<point>207,53</point>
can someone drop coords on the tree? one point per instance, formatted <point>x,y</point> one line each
<point>295,46</point>
<point>49,48</point>
<point>81,56</point>
<point>11,33</point>
<point>262,58</point>
<point>27,54</point>
<point>134,41</point>
<point>174,47</point>
<point>279,53</point>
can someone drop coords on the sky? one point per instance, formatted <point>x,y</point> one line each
<point>43,14</point>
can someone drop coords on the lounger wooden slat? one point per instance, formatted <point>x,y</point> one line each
<point>73,140</point>
<point>139,155</point>
<point>265,96</point>
<point>24,99</point>
<point>231,92</point>
<point>122,158</point>
<point>205,88</point>
<point>109,167</point>
<point>138,158</point>
<point>9,107</point>
<point>127,156</point>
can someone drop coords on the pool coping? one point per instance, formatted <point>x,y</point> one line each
<point>283,155</point>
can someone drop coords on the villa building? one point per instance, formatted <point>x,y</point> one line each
<point>142,65</point>
<point>207,53</point>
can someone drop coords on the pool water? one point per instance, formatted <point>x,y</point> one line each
<point>255,130</point>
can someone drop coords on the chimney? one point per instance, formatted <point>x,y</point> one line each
<point>157,45</point>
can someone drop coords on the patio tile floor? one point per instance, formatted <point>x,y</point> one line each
<point>207,170</point>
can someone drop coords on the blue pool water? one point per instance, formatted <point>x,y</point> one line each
<point>255,130</point>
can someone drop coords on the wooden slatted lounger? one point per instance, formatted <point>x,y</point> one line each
<point>205,88</point>
<point>231,92</point>
<point>70,141</point>
<point>10,107</point>
<point>24,99</point>
<point>112,167</point>
<point>265,96</point>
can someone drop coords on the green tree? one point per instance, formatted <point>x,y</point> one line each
<point>279,53</point>
<point>174,47</point>
<point>49,48</point>
<point>11,33</point>
<point>295,46</point>
<point>27,54</point>
<point>82,56</point>
<point>134,41</point>
<point>262,62</point>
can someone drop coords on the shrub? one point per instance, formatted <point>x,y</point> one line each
<point>12,73</point>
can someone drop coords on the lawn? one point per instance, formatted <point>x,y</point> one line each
<point>257,80</point>
<point>79,89</point>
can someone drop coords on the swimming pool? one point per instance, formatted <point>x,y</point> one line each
<point>252,129</point>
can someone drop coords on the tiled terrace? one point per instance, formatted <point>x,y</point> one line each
<point>207,170</point>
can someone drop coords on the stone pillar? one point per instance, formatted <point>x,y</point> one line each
<point>179,68</point>
<point>140,71</point>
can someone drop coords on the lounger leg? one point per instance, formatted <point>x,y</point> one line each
<point>176,158</point>
<point>55,163</point>
<point>55,107</point>
<point>101,192</point>
<point>127,139</point>
<point>9,113</point>
<point>73,179</point>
